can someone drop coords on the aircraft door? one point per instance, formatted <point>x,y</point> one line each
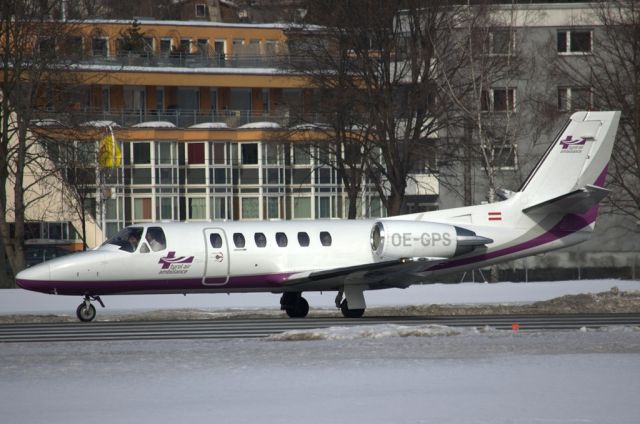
<point>216,272</point>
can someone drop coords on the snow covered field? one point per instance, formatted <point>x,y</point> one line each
<point>21,301</point>
<point>378,374</point>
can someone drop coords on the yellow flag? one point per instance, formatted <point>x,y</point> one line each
<point>109,155</point>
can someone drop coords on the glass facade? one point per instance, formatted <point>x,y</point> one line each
<point>216,180</point>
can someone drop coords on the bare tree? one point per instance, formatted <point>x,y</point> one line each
<point>380,62</point>
<point>609,78</point>
<point>34,79</point>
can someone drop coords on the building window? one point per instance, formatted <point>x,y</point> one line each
<point>99,46</point>
<point>323,207</point>
<point>250,208</point>
<point>574,98</point>
<point>165,46</point>
<point>219,208</point>
<point>201,10</point>
<point>273,208</point>
<point>265,100</point>
<point>575,41</point>
<point>197,208</point>
<point>160,99</point>
<point>142,209</point>
<point>302,207</point>
<point>195,153</point>
<point>301,155</point>
<point>502,157</point>
<point>164,208</point>
<point>498,100</point>
<point>249,153</point>
<point>106,98</point>
<point>219,156</point>
<point>165,153</point>
<point>141,153</point>
<point>502,42</point>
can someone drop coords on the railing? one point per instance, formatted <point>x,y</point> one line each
<point>186,60</point>
<point>181,118</point>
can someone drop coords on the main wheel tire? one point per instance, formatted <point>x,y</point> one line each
<point>85,314</point>
<point>299,309</point>
<point>350,313</point>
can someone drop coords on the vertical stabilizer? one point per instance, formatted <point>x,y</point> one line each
<point>577,158</point>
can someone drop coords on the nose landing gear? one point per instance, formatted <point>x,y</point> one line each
<point>86,312</point>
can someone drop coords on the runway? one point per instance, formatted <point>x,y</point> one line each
<point>255,328</point>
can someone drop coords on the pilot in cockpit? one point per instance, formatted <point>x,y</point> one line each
<point>155,238</point>
<point>133,241</point>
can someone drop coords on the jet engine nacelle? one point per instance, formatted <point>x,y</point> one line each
<point>410,239</point>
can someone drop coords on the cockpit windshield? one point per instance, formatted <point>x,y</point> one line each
<point>127,239</point>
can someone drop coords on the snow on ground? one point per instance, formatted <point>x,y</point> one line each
<point>472,377</point>
<point>369,374</point>
<point>18,301</point>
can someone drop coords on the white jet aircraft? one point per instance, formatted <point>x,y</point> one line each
<point>556,207</point>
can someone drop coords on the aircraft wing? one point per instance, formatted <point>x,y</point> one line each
<point>371,274</point>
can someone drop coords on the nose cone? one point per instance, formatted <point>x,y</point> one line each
<point>35,278</point>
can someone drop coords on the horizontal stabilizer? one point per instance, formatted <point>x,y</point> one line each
<point>578,201</point>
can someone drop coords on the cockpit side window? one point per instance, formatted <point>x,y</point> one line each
<point>127,239</point>
<point>156,239</point>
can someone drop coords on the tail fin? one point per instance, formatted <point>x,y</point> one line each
<point>571,173</point>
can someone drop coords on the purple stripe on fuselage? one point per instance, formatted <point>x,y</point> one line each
<point>104,287</point>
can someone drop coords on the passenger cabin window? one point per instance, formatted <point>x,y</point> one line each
<point>127,239</point>
<point>281,239</point>
<point>303,239</point>
<point>260,239</point>
<point>215,240</point>
<point>325,238</point>
<point>155,238</point>
<point>238,240</point>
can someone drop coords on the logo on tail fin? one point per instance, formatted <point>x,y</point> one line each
<point>569,145</point>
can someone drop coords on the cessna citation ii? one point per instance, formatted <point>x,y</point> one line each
<point>556,207</point>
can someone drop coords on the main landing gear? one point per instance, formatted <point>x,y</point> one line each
<point>350,302</point>
<point>86,312</point>
<point>343,305</point>
<point>294,304</point>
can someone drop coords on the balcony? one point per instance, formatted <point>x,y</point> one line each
<point>182,60</point>
<point>178,118</point>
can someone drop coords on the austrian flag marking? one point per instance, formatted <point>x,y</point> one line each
<point>495,216</point>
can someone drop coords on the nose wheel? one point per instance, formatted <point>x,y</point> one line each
<point>86,312</point>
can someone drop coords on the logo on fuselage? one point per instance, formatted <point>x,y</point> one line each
<point>172,264</point>
<point>569,145</point>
